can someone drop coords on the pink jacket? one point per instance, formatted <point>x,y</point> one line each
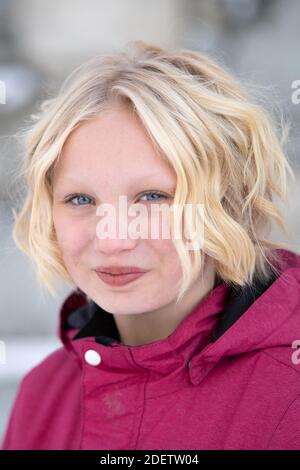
<point>228,377</point>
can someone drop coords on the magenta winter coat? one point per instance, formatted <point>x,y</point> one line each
<point>228,377</point>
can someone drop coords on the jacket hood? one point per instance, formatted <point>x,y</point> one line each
<point>227,322</point>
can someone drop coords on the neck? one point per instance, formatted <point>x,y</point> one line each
<point>147,327</point>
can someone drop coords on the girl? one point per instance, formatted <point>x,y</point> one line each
<point>165,344</point>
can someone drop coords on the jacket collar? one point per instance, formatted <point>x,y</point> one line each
<point>226,322</point>
<point>89,319</point>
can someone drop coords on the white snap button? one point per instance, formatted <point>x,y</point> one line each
<point>92,357</point>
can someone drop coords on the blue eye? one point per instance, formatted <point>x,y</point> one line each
<point>156,194</point>
<point>77,196</point>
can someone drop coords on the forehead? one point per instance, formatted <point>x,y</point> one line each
<point>112,144</point>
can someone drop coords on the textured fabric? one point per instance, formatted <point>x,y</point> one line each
<point>228,377</point>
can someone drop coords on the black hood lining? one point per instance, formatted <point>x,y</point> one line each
<point>100,324</point>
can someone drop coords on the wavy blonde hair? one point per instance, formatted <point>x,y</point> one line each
<point>222,145</point>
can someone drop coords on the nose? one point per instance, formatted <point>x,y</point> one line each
<point>111,237</point>
<point>113,245</point>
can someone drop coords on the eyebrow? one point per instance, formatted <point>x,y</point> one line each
<point>170,187</point>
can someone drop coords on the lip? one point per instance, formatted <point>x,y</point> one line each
<point>119,279</point>
<point>114,269</point>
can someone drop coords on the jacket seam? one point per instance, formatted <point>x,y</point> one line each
<point>281,419</point>
<point>143,404</point>
<point>82,408</point>
<point>281,362</point>
<point>143,411</point>
<point>289,405</point>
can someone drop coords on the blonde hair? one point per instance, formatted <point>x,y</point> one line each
<point>221,144</point>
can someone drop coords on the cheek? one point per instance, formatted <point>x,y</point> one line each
<point>169,259</point>
<point>70,235</point>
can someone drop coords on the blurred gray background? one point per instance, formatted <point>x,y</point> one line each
<point>41,42</point>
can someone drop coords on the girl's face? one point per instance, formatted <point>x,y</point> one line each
<point>103,159</point>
